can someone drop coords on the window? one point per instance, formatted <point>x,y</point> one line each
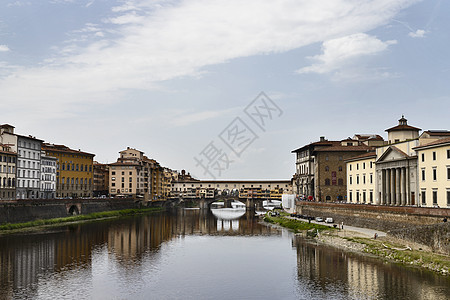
<point>357,179</point>
<point>435,197</point>
<point>113,173</point>
<point>327,169</point>
<point>326,157</point>
<point>350,179</point>
<point>340,157</point>
<point>434,174</point>
<point>340,168</point>
<point>423,156</point>
<point>350,166</point>
<point>340,181</point>
<point>423,174</point>
<point>357,196</point>
<point>371,196</point>
<point>364,165</point>
<point>434,155</point>
<point>448,173</point>
<point>357,166</point>
<point>448,197</point>
<point>113,178</point>
<point>327,181</point>
<point>131,172</point>
<point>364,178</point>
<point>350,196</point>
<point>371,164</point>
<point>424,196</point>
<point>371,178</point>
<point>448,153</point>
<point>364,196</point>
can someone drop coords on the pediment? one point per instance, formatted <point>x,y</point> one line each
<point>392,153</point>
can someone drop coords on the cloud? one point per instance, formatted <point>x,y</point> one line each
<point>4,48</point>
<point>420,33</point>
<point>338,52</point>
<point>146,42</point>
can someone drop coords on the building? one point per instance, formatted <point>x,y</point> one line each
<point>48,176</point>
<point>244,189</point>
<point>136,175</point>
<point>434,173</point>
<point>7,173</point>
<point>361,178</point>
<point>330,178</point>
<point>101,179</point>
<point>396,166</point>
<point>28,167</point>
<point>303,179</point>
<point>74,176</point>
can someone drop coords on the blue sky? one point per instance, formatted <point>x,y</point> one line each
<point>168,77</point>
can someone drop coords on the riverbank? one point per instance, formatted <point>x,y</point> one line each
<point>384,247</point>
<point>37,224</point>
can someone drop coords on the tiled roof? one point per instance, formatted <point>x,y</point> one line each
<point>64,149</point>
<point>437,132</point>
<point>344,148</point>
<point>435,143</point>
<point>319,143</point>
<point>362,156</point>
<point>402,128</point>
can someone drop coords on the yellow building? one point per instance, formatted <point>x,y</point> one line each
<point>361,178</point>
<point>74,175</point>
<point>434,173</point>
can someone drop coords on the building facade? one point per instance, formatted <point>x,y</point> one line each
<point>48,176</point>
<point>396,166</point>
<point>101,179</point>
<point>361,178</point>
<point>434,173</point>
<point>7,174</point>
<point>74,175</point>
<point>28,165</point>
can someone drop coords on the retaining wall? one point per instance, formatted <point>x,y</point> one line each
<point>18,211</point>
<point>423,226</point>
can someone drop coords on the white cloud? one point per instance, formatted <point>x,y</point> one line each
<point>338,52</point>
<point>151,41</point>
<point>4,48</point>
<point>420,33</point>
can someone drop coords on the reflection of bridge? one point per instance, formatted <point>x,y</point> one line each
<point>250,203</point>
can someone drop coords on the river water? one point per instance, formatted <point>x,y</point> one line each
<point>196,254</point>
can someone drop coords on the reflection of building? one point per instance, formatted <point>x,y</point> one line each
<point>74,171</point>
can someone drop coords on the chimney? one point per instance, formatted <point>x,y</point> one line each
<point>322,139</point>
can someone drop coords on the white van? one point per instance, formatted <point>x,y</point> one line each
<point>329,220</point>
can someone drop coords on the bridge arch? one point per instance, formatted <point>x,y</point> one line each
<point>73,210</point>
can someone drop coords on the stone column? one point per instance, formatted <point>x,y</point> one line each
<point>403,186</point>
<point>397,186</point>
<point>388,187</point>
<point>392,200</point>
<point>383,187</point>
<point>408,187</point>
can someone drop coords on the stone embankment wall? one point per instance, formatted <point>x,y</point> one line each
<point>423,226</point>
<point>19,211</point>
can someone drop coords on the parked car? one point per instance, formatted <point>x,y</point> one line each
<point>319,219</point>
<point>329,220</point>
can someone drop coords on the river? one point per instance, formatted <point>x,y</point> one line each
<point>195,254</point>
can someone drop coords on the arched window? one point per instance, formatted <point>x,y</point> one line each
<point>328,198</point>
<point>327,181</point>
<point>340,181</point>
<point>327,169</point>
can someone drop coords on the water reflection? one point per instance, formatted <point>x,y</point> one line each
<point>326,270</point>
<point>90,260</point>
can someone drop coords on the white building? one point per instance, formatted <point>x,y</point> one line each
<point>361,178</point>
<point>28,167</point>
<point>48,176</point>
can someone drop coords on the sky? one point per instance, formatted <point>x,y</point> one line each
<point>224,89</point>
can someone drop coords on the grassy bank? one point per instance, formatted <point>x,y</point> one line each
<point>403,254</point>
<point>100,215</point>
<point>295,225</point>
